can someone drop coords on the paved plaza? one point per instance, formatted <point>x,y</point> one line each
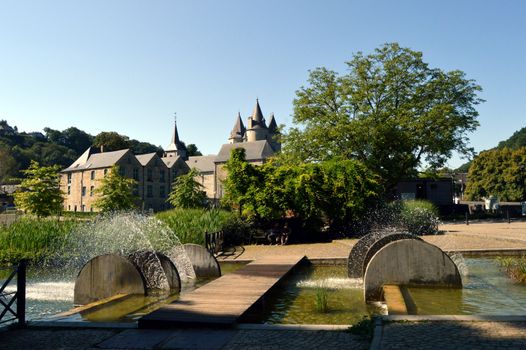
<point>445,334</point>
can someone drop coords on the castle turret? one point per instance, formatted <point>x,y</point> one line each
<point>256,127</point>
<point>238,132</point>
<point>273,134</point>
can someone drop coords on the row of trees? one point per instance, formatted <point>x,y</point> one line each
<point>55,147</point>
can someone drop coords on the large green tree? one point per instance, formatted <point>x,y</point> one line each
<point>391,111</point>
<point>116,192</point>
<point>187,192</point>
<point>500,173</point>
<point>39,192</point>
<point>111,141</point>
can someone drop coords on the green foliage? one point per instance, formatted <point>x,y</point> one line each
<point>33,239</point>
<point>115,192</point>
<point>187,192</point>
<point>517,140</point>
<point>190,225</point>
<point>391,111</point>
<point>500,173</point>
<point>111,141</point>
<point>39,192</point>
<point>515,267</point>
<point>364,328</point>
<point>340,191</point>
<point>322,300</point>
<point>193,151</point>
<point>418,217</point>
<point>8,165</point>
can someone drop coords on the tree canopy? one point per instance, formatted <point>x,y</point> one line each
<point>391,111</point>
<point>187,192</point>
<point>500,173</point>
<point>8,166</point>
<point>39,192</point>
<point>340,191</point>
<point>116,192</point>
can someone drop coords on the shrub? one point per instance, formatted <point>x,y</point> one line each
<point>364,328</point>
<point>419,217</point>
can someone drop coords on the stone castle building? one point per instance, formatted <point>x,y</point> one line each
<point>155,175</point>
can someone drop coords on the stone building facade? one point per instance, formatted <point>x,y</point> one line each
<point>153,174</point>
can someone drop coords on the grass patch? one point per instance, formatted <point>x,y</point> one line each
<point>515,268</point>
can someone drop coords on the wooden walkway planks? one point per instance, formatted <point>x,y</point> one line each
<point>223,301</point>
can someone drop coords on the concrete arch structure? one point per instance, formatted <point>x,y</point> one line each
<point>409,262</point>
<point>205,264</point>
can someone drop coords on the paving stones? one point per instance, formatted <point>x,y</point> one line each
<point>447,335</point>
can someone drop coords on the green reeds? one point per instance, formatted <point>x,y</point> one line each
<point>33,239</point>
<point>190,225</point>
<point>515,268</point>
<point>322,300</point>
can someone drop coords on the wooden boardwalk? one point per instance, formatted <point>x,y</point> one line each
<point>225,300</point>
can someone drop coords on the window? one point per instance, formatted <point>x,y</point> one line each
<point>91,190</point>
<point>69,178</point>
<point>83,208</point>
<point>149,174</point>
<point>162,192</point>
<point>92,176</point>
<point>69,189</point>
<point>105,172</point>
<point>91,209</point>
<point>69,207</point>
<point>83,191</point>
<point>136,174</point>
<point>149,191</point>
<point>161,175</point>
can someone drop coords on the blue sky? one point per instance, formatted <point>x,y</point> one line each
<point>127,66</point>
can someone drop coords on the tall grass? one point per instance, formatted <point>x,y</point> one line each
<point>190,225</point>
<point>33,239</point>
<point>515,268</point>
<point>321,302</point>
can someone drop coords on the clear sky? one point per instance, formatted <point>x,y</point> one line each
<point>127,66</point>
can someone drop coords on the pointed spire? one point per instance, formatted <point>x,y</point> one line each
<point>257,115</point>
<point>239,128</point>
<point>272,125</point>
<point>175,137</point>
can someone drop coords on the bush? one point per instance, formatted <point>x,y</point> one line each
<point>33,239</point>
<point>418,217</point>
<point>190,225</point>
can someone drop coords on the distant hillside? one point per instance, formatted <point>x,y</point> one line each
<point>17,149</point>
<point>517,140</point>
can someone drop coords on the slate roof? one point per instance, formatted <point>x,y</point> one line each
<point>176,144</point>
<point>254,151</point>
<point>239,129</point>
<point>170,161</point>
<point>144,159</point>
<point>272,125</point>
<point>90,160</point>
<point>204,164</point>
<point>256,119</point>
